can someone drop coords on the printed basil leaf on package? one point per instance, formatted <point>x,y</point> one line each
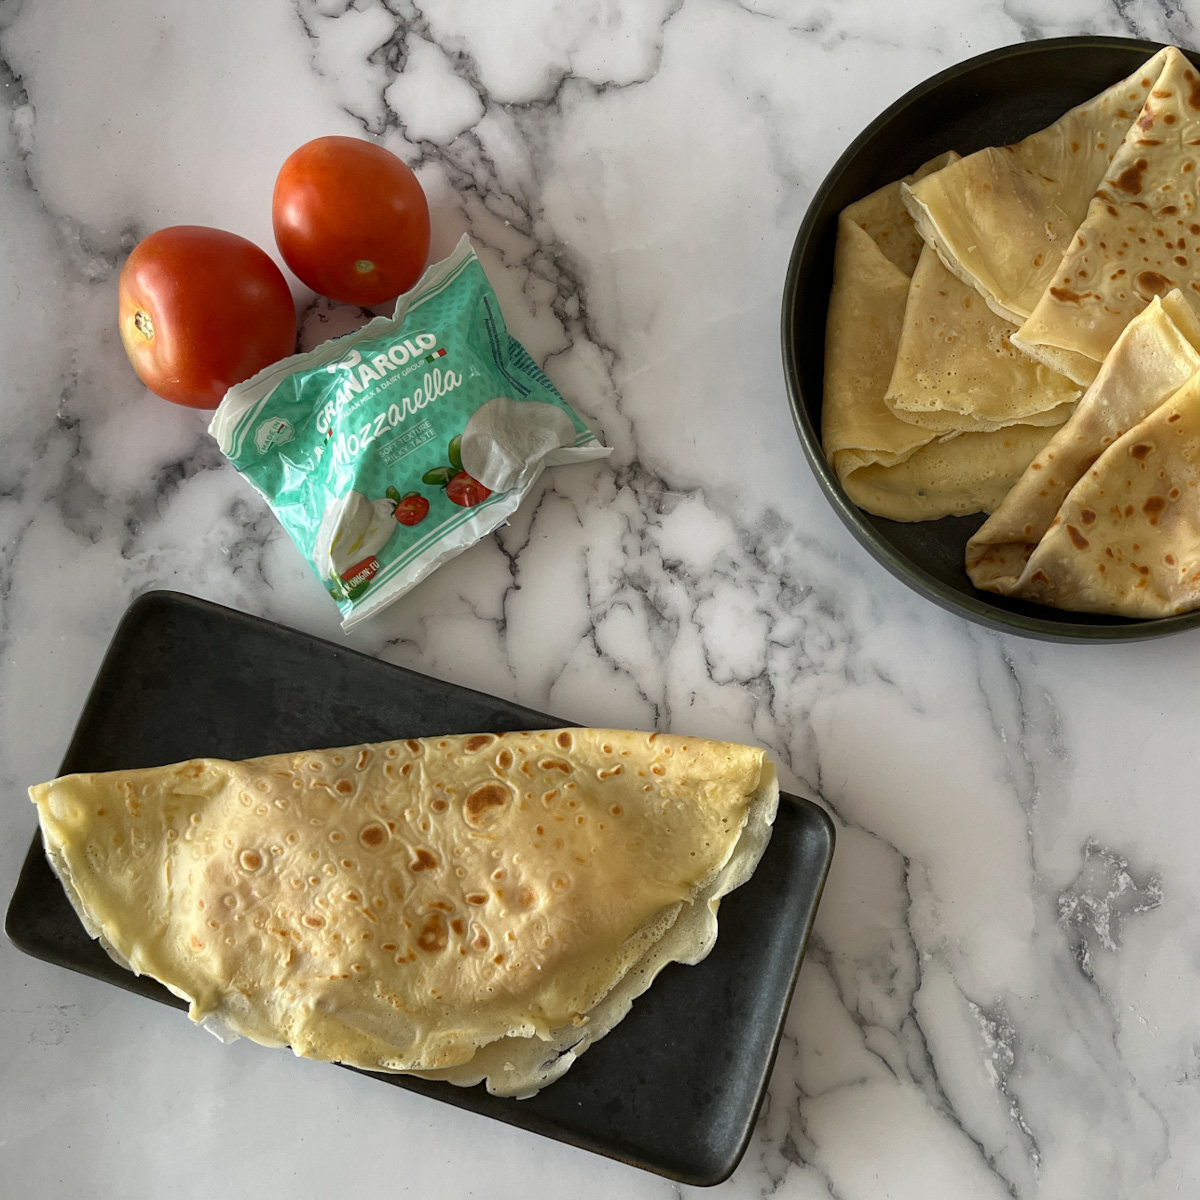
<point>394,448</point>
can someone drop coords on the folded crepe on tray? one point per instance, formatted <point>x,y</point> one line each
<point>906,464</point>
<point>1107,518</point>
<point>1140,237</point>
<point>1001,219</point>
<point>464,907</point>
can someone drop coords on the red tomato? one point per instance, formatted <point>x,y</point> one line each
<point>200,310</point>
<point>351,220</point>
<point>465,491</point>
<point>412,510</point>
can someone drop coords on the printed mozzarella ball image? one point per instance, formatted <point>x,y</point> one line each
<point>506,438</point>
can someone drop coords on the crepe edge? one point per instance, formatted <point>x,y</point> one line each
<point>59,864</point>
<point>57,858</point>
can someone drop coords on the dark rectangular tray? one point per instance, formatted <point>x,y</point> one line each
<point>675,1088</point>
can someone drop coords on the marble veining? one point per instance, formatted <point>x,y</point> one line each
<point>998,996</point>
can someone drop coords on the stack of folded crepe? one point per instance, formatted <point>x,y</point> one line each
<point>974,300</point>
<point>929,410</point>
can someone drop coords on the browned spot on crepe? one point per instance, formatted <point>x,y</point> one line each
<point>1152,283</point>
<point>1153,506</point>
<point>373,835</point>
<point>1067,296</point>
<point>1130,180</point>
<point>1194,90</point>
<point>434,934</point>
<point>482,800</point>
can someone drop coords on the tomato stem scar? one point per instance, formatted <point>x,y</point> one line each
<point>144,325</point>
<point>364,266</point>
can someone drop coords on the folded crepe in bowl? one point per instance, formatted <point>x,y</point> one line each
<point>1001,219</point>
<point>466,907</point>
<point>955,477</point>
<point>876,252</point>
<point>889,427</point>
<point>1107,518</point>
<point>1140,237</point>
<point>956,368</point>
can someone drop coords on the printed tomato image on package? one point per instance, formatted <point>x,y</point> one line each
<point>390,450</point>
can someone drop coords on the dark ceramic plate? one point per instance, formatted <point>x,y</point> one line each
<point>675,1088</point>
<point>991,100</point>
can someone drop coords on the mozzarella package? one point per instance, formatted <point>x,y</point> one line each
<point>390,450</point>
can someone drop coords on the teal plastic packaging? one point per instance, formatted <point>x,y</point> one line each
<point>394,448</point>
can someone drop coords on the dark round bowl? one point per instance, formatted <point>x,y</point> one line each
<point>992,100</point>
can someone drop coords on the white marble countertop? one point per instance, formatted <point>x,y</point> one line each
<point>999,994</point>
